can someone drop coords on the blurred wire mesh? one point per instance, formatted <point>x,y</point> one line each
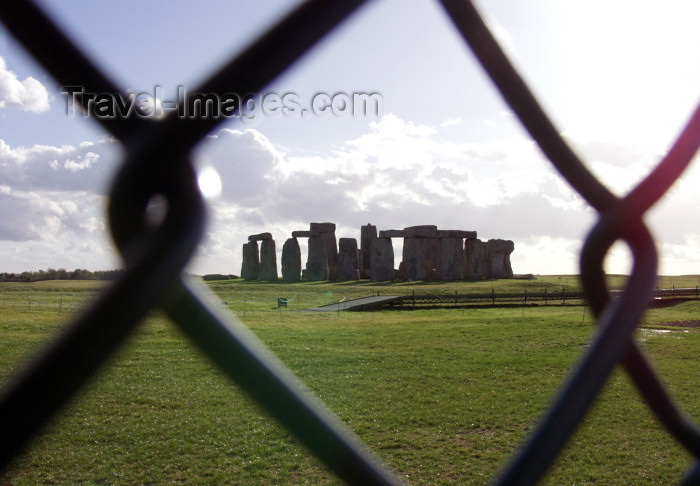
<point>157,165</point>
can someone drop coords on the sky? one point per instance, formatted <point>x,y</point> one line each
<point>618,78</point>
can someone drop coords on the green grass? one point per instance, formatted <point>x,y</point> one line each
<point>442,396</point>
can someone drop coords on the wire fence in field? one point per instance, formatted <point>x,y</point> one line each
<point>157,164</point>
<point>71,303</point>
<point>61,303</point>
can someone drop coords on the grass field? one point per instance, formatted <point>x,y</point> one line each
<point>443,396</point>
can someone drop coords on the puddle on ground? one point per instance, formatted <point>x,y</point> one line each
<point>651,332</point>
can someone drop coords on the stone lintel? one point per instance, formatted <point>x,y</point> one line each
<point>392,234</point>
<point>322,227</point>
<point>260,237</point>
<point>304,234</point>
<point>424,231</point>
<point>456,234</point>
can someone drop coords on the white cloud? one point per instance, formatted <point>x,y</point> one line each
<point>538,252</point>
<point>397,174</point>
<point>52,205</point>
<point>619,166</point>
<point>45,215</point>
<point>244,160</point>
<point>683,257</point>
<point>451,122</point>
<point>27,95</point>
<point>87,167</point>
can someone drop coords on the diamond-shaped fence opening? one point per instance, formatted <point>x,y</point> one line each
<point>157,163</point>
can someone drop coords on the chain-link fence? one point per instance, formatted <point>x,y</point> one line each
<point>157,164</point>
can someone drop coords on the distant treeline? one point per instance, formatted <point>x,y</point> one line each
<point>219,276</point>
<point>61,274</point>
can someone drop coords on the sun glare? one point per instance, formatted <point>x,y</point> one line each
<point>209,182</point>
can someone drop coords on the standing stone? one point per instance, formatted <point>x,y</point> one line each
<point>413,259</point>
<point>401,273</point>
<point>268,260</point>
<point>432,256</point>
<point>429,270</point>
<point>451,264</point>
<point>475,253</point>
<point>250,268</point>
<point>347,267</point>
<point>499,258</point>
<point>382,260</point>
<point>317,261</point>
<point>291,260</point>
<point>408,259</point>
<point>367,234</point>
<point>418,254</point>
<point>327,232</point>
<point>421,250</point>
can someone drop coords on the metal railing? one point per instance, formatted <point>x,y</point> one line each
<point>157,164</point>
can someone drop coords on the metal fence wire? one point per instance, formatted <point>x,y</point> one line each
<point>157,163</point>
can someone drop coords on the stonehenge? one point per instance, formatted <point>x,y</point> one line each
<point>428,254</point>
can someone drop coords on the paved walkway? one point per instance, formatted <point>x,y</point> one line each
<point>363,303</point>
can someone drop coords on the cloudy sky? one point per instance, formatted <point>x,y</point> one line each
<point>618,78</point>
